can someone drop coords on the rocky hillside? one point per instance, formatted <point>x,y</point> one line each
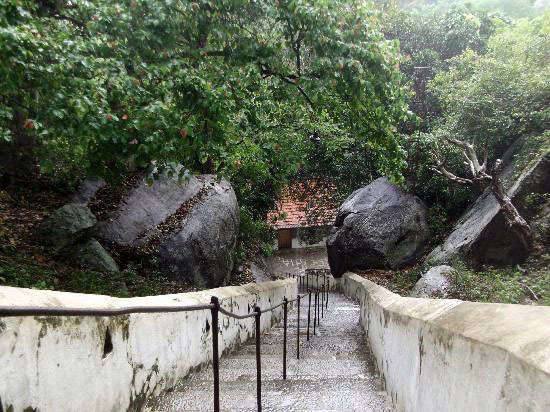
<point>127,239</point>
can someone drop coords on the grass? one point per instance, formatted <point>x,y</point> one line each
<point>529,285</point>
<point>507,285</point>
<point>25,272</point>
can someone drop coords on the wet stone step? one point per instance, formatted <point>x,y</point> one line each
<point>245,368</point>
<point>334,372</point>
<point>278,395</point>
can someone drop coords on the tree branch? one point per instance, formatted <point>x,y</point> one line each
<point>287,78</point>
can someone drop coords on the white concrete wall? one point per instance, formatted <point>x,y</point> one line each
<point>299,243</point>
<point>450,355</point>
<point>57,364</point>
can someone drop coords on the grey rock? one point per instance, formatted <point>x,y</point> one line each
<point>481,235</point>
<point>146,206</point>
<point>433,284</point>
<point>66,226</point>
<point>377,226</point>
<point>260,269</point>
<point>202,250</point>
<point>199,242</point>
<point>92,255</point>
<point>87,190</point>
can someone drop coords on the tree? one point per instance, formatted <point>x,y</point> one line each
<point>489,101</point>
<point>480,178</point>
<point>103,87</point>
<point>429,37</point>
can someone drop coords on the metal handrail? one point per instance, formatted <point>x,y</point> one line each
<point>215,309</point>
<point>10,311</point>
<point>235,316</point>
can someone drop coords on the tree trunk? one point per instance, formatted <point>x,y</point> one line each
<point>517,223</point>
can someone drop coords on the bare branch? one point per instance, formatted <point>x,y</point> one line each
<point>444,172</point>
<point>440,169</point>
<point>470,154</point>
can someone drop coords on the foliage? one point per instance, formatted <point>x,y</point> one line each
<point>230,87</point>
<point>500,285</point>
<point>489,97</point>
<point>509,8</point>
<point>256,236</point>
<point>429,37</point>
<point>20,271</point>
<point>493,99</point>
<point>447,200</point>
<point>313,235</point>
<point>102,87</point>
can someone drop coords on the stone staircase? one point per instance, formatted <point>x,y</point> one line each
<point>334,372</point>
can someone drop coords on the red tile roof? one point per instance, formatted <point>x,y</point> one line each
<point>306,203</point>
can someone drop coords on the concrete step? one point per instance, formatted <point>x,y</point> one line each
<point>244,368</point>
<point>334,372</point>
<point>359,393</point>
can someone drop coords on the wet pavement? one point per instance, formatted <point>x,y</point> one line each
<point>334,372</point>
<point>298,260</point>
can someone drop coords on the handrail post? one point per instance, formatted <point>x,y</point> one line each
<point>318,307</point>
<point>215,356</point>
<point>308,313</point>
<point>258,359</point>
<point>315,312</point>
<point>285,320</point>
<point>328,283</point>
<point>298,331</point>
<point>323,302</point>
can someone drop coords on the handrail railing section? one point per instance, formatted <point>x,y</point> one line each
<point>320,303</point>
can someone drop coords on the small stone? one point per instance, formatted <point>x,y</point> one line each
<point>93,256</point>
<point>433,284</point>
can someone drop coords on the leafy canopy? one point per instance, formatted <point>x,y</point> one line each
<point>232,87</point>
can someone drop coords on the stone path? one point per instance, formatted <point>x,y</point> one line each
<point>298,260</point>
<point>334,373</point>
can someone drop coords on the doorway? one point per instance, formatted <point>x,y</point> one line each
<point>284,238</point>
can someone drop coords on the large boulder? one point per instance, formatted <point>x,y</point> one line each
<point>481,235</point>
<point>147,206</point>
<point>434,283</point>
<point>189,227</point>
<point>377,226</point>
<point>202,249</point>
<point>67,226</point>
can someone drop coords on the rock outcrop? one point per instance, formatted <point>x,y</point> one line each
<point>67,226</point>
<point>202,249</point>
<point>481,235</point>
<point>146,207</point>
<point>92,255</point>
<point>260,269</point>
<point>433,284</point>
<point>188,227</point>
<point>377,226</point>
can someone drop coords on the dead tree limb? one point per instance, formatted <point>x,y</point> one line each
<point>481,178</point>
